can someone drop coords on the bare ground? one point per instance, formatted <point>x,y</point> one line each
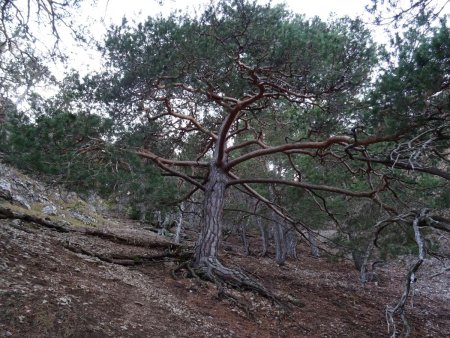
<point>48,289</point>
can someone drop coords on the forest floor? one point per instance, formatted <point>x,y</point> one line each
<point>95,275</point>
<point>48,289</point>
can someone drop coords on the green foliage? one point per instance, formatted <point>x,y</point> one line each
<point>72,149</point>
<point>153,58</point>
<point>50,143</point>
<point>410,93</point>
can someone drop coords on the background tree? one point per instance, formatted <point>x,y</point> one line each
<point>30,32</point>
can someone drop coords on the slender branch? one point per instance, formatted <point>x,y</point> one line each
<point>246,144</point>
<point>176,173</point>
<point>289,146</point>
<point>312,145</point>
<point>148,154</point>
<point>308,186</point>
<point>407,166</point>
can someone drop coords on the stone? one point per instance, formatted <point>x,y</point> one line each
<point>50,210</point>
<point>22,201</point>
<point>83,218</point>
<point>5,190</point>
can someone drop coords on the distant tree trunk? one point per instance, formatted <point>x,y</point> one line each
<point>291,244</point>
<point>191,218</point>
<point>263,229</point>
<point>243,235</point>
<point>278,233</point>
<point>210,235</point>
<point>158,218</point>
<point>357,255</point>
<point>143,212</point>
<point>179,225</point>
<point>313,244</point>
<point>280,250</point>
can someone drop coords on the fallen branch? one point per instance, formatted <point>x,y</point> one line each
<point>440,272</point>
<point>144,239</point>
<point>124,260</point>
<point>148,241</point>
<point>7,213</point>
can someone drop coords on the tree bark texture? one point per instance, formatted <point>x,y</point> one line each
<point>209,240</point>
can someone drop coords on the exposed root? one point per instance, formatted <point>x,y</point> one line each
<point>223,294</point>
<point>181,266</point>
<point>129,240</point>
<point>120,238</point>
<point>124,260</point>
<point>213,271</point>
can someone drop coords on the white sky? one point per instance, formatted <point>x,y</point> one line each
<point>112,11</point>
<point>101,15</point>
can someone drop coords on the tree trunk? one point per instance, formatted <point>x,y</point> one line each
<point>209,240</point>
<point>243,235</point>
<point>262,227</point>
<point>179,225</point>
<point>278,232</point>
<point>280,250</point>
<point>313,244</point>
<point>291,244</point>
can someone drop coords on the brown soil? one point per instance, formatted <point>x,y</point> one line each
<point>47,290</point>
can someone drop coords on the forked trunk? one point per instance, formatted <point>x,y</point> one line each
<point>209,240</point>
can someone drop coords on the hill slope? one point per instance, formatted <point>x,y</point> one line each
<point>107,277</point>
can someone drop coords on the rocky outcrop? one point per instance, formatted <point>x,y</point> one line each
<point>21,193</point>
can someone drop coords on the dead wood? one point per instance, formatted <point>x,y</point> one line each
<point>125,260</point>
<point>145,240</point>
<point>7,213</point>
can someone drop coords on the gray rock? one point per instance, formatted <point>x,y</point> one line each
<point>81,217</point>
<point>22,201</point>
<point>50,210</point>
<point>5,190</point>
<point>72,197</point>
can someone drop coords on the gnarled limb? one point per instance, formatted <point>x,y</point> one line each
<point>399,308</point>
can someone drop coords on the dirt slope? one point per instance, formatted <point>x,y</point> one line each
<point>48,290</point>
<point>108,277</point>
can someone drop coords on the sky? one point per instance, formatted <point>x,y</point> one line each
<point>112,11</point>
<point>103,13</point>
<point>100,14</point>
